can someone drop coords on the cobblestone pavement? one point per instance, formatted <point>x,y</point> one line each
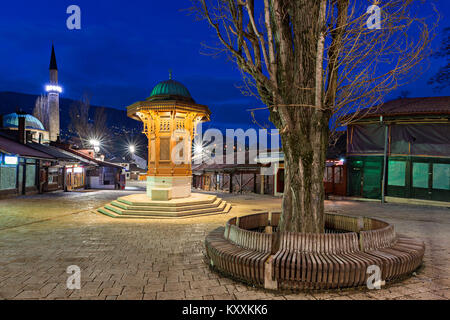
<point>40,236</point>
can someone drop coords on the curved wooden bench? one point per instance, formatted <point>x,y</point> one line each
<point>240,253</point>
<point>253,221</point>
<point>312,261</point>
<point>343,223</point>
<point>400,255</point>
<point>321,261</point>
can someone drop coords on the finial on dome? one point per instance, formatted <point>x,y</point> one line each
<point>170,74</point>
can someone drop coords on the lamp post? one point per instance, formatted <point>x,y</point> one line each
<point>96,144</point>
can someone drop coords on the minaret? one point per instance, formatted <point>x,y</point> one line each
<point>53,90</point>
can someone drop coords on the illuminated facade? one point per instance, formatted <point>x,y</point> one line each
<point>170,117</point>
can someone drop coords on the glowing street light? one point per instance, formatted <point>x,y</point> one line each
<point>96,144</point>
<point>200,152</point>
<point>132,148</point>
<point>198,149</point>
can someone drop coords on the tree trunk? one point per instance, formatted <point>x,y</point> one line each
<point>304,162</point>
<point>303,123</point>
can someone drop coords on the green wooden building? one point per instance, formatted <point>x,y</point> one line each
<point>414,133</point>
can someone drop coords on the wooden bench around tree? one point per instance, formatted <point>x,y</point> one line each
<point>239,252</point>
<point>336,259</point>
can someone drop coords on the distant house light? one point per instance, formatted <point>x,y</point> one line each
<point>11,160</point>
<point>53,88</point>
<point>78,170</point>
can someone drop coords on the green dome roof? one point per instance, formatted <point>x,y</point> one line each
<point>170,90</point>
<point>12,121</point>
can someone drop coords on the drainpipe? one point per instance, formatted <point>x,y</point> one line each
<point>383,184</point>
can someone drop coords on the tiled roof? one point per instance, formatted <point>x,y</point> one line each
<point>13,147</point>
<point>412,106</point>
<point>98,162</point>
<point>54,152</point>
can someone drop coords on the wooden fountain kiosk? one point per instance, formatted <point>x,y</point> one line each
<point>170,117</point>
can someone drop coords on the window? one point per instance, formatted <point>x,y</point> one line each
<point>338,174</point>
<point>52,179</point>
<point>30,175</point>
<point>441,176</point>
<point>328,174</point>
<point>8,176</point>
<point>396,173</point>
<point>420,175</point>
<point>164,149</point>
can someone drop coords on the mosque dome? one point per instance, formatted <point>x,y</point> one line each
<point>170,90</point>
<point>12,121</point>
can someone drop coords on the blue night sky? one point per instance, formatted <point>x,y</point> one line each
<point>125,47</point>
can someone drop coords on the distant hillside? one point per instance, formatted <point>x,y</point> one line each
<point>117,119</point>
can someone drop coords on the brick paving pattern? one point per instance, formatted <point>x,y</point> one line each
<point>40,236</point>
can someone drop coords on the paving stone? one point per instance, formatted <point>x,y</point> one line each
<point>171,295</point>
<point>29,294</point>
<point>206,291</point>
<point>224,297</point>
<point>164,259</point>
<point>299,296</point>
<point>112,291</point>
<point>149,296</point>
<point>154,287</point>
<point>136,296</point>
<point>176,286</point>
<point>427,296</point>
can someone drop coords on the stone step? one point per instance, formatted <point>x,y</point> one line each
<point>224,208</point>
<point>221,206</point>
<point>227,208</point>
<point>172,203</point>
<point>112,214</point>
<point>190,206</point>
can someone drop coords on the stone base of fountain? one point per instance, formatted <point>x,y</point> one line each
<point>168,188</point>
<point>141,206</point>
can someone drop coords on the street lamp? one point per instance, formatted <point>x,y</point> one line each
<point>132,148</point>
<point>96,144</point>
<point>198,152</point>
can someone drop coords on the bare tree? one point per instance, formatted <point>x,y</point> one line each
<point>87,129</point>
<point>312,63</point>
<point>79,119</point>
<point>99,127</point>
<point>40,110</point>
<point>442,79</point>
